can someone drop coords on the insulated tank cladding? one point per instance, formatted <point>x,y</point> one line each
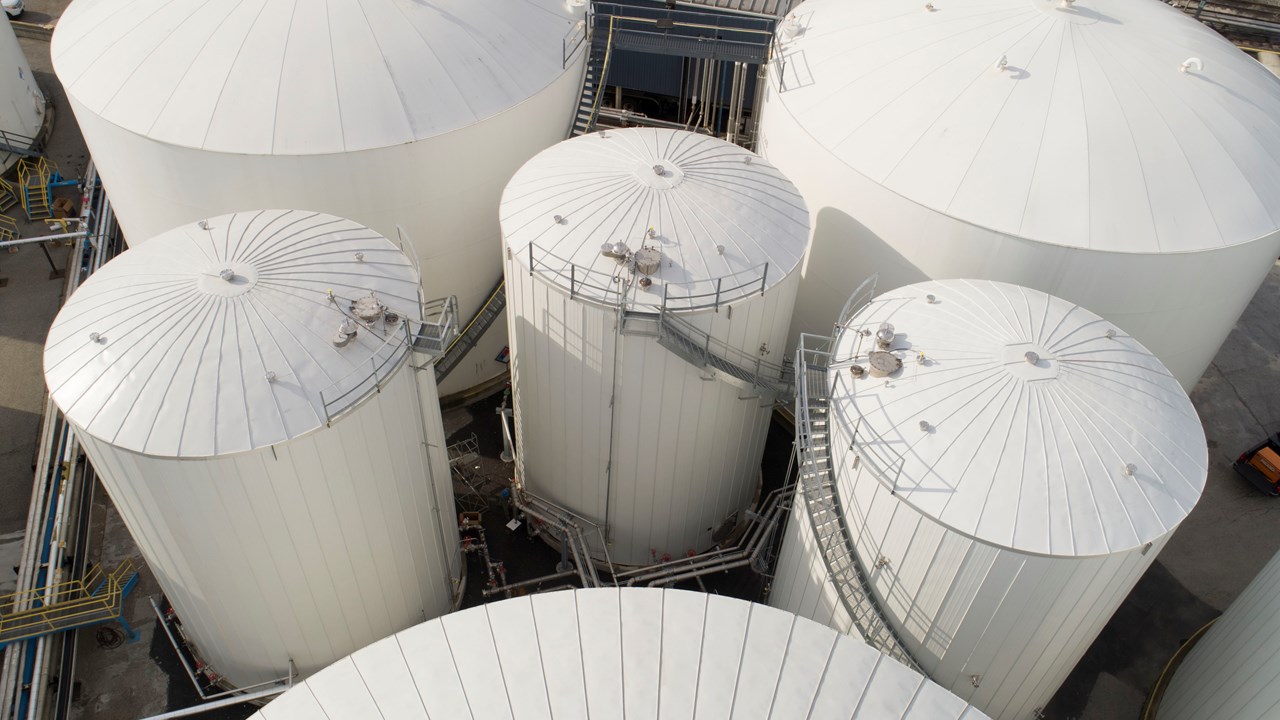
<point>397,113</point>
<point>650,282</point>
<point>1007,465</point>
<point>21,101</point>
<point>1232,671</point>
<point>244,389</point>
<point>1114,153</point>
<point>615,653</point>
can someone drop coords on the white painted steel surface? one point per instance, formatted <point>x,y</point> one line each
<point>21,101</point>
<point>615,426</point>
<point>204,404</point>
<point>1090,166</point>
<point>1232,672</point>
<point>388,113</point>
<point>614,653</point>
<point>1001,534</point>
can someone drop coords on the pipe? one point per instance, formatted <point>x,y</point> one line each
<point>526,583</point>
<point>44,238</point>
<point>225,702</point>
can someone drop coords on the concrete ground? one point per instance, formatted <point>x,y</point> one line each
<point>1220,547</point>
<point>29,299</point>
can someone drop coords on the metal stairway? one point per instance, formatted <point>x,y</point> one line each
<point>471,334</point>
<point>8,195</point>
<point>699,349</point>
<point>817,490</point>
<point>12,143</point>
<point>97,598</point>
<point>599,51</point>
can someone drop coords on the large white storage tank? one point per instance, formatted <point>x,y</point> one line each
<point>1233,671</point>
<point>1004,487</point>
<point>281,476</point>
<point>619,653</point>
<point>21,101</point>
<point>1114,153</point>
<point>391,113</point>
<point>618,416</point>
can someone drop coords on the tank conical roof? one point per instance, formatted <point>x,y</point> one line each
<point>716,211</point>
<point>1091,135</point>
<point>159,353</point>
<point>303,77</point>
<point>1022,420</point>
<point>613,653</point>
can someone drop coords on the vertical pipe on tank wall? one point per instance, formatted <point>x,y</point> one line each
<point>449,580</point>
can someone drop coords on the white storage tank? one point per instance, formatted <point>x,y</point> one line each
<point>615,653</point>
<point>1007,466</point>
<point>397,112</point>
<point>1232,671</point>
<point>650,282</point>
<point>243,387</point>
<point>1115,153</point>
<point>21,101</point>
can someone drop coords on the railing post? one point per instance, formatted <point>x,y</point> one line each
<point>573,279</point>
<point>718,281</point>
<point>764,278</point>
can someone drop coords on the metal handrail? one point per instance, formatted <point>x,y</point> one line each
<point>54,615</point>
<point>608,288</point>
<point>772,375</point>
<point>815,351</point>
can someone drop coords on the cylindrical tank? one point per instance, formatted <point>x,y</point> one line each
<point>1232,671</point>
<point>650,285</point>
<point>614,653</point>
<point>243,388</point>
<point>1007,466</point>
<point>394,113</point>
<point>21,101</point>
<point>1115,153</point>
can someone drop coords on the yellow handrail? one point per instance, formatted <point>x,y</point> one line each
<point>71,602</point>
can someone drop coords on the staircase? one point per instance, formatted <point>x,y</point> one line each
<point>33,186</point>
<point>470,335</point>
<point>97,598</point>
<point>8,195</point>
<point>699,349</point>
<point>817,491</point>
<point>599,51</point>
<point>8,230</point>
<point>12,143</point>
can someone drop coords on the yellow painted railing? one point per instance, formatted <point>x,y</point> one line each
<point>66,605</point>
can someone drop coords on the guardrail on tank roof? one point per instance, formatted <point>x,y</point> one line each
<point>431,335</point>
<point>611,288</point>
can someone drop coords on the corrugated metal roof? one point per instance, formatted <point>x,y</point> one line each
<point>717,211</point>
<point>159,354</point>
<point>303,77</point>
<point>613,653</point>
<point>1091,136</point>
<point>1029,456</point>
